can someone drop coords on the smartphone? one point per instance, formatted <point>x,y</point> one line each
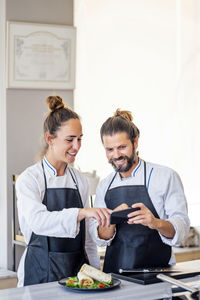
<point>121,216</point>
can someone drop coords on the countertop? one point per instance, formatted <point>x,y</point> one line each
<point>53,290</point>
<point>7,274</point>
<point>127,290</point>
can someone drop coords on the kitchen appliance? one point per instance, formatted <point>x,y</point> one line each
<point>195,293</point>
<point>149,276</point>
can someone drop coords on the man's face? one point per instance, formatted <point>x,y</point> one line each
<point>120,151</point>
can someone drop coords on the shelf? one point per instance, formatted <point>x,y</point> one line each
<point>186,253</point>
<point>19,243</point>
<point>19,238</point>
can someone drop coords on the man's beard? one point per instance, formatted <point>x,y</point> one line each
<point>130,161</point>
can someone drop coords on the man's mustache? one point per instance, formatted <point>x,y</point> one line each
<point>119,158</point>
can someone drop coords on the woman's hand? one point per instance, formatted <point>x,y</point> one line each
<point>107,233</point>
<point>120,207</point>
<point>102,215</point>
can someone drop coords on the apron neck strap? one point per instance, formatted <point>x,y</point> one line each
<point>112,180</point>
<point>45,180</point>
<point>73,178</point>
<point>145,180</point>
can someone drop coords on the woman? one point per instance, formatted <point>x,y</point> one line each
<point>52,200</point>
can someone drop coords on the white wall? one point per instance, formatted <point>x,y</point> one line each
<point>3,146</point>
<point>142,56</point>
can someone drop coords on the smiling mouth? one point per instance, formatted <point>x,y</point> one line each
<point>120,162</point>
<point>72,154</point>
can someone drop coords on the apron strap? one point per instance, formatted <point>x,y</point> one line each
<point>76,184</point>
<point>112,181</point>
<point>45,197</point>
<point>145,180</point>
<point>83,221</point>
<point>70,171</point>
<point>45,180</point>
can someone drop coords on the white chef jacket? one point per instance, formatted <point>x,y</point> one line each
<point>34,216</point>
<point>166,193</point>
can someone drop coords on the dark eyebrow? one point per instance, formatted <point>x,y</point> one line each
<point>72,136</point>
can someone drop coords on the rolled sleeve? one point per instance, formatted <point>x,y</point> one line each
<point>175,208</point>
<point>181,227</point>
<point>99,202</point>
<point>93,231</point>
<point>70,216</point>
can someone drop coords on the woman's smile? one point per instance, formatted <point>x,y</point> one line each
<point>72,153</point>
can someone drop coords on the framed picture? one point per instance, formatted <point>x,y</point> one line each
<point>40,56</point>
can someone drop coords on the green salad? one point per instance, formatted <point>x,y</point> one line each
<point>74,282</point>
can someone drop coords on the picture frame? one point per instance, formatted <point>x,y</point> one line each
<point>40,56</point>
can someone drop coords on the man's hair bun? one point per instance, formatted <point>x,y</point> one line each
<point>124,113</point>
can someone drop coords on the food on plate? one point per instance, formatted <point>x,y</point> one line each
<point>95,273</point>
<point>84,280</point>
<point>90,278</point>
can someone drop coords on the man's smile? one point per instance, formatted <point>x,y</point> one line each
<point>120,161</point>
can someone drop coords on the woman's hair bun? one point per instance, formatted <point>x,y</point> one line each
<point>54,103</point>
<point>123,113</point>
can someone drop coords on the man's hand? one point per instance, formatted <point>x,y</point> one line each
<point>142,216</point>
<point>102,215</point>
<point>145,217</point>
<point>121,207</point>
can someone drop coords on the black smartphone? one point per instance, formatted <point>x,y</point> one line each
<point>121,216</point>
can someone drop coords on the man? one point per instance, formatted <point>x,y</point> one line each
<point>161,221</point>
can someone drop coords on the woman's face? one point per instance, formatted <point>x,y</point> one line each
<point>64,147</point>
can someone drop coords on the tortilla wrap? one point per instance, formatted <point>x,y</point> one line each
<point>95,274</point>
<point>84,279</point>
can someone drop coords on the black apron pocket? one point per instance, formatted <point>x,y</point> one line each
<point>62,264</point>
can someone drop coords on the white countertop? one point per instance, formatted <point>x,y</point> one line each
<point>127,290</point>
<point>53,290</point>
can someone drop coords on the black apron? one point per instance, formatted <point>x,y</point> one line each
<point>134,245</point>
<point>51,258</point>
